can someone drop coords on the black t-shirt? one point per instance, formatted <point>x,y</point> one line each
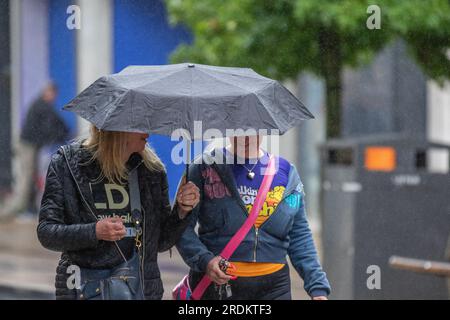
<point>113,200</point>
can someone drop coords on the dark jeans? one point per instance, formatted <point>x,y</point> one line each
<point>274,286</point>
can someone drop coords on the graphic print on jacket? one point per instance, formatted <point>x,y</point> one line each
<point>214,188</point>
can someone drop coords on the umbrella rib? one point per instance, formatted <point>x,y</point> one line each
<point>261,103</point>
<point>257,76</point>
<point>126,70</point>
<point>223,81</point>
<point>151,81</point>
<point>115,103</point>
<point>253,93</point>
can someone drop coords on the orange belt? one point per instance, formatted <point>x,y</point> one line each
<point>254,269</point>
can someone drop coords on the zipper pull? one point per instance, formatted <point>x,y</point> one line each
<point>228,290</point>
<point>219,289</point>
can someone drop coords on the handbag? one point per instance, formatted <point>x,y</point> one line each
<point>119,283</point>
<point>125,281</point>
<point>182,290</point>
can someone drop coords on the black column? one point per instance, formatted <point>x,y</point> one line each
<point>5,97</point>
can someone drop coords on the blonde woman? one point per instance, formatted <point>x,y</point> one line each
<point>85,209</point>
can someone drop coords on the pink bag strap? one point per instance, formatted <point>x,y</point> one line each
<point>236,240</point>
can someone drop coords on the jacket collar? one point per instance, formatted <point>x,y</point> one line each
<point>74,155</point>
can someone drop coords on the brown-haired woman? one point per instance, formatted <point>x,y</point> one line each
<point>85,211</point>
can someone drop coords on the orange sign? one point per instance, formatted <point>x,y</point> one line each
<point>380,158</point>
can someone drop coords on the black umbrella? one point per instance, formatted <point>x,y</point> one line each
<point>161,99</point>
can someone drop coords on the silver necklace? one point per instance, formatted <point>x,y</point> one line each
<point>250,173</point>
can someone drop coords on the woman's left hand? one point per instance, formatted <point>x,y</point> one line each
<point>188,197</point>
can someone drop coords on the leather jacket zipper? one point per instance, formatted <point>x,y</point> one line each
<point>141,260</point>
<point>143,256</point>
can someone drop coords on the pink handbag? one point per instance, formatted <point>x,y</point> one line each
<point>182,290</point>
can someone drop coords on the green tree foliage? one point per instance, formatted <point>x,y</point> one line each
<point>280,38</point>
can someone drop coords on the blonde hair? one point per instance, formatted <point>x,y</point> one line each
<point>109,148</point>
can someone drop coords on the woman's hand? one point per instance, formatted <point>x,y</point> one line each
<point>110,229</point>
<point>215,274</point>
<point>320,298</point>
<point>188,197</point>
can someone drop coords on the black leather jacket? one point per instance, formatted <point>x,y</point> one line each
<point>66,225</point>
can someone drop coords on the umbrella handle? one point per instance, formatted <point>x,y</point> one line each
<point>188,157</point>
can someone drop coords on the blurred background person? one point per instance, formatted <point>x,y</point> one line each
<point>42,127</point>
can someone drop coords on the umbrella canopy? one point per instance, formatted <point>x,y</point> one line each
<point>161,99</point>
